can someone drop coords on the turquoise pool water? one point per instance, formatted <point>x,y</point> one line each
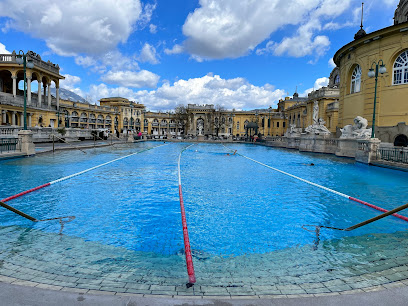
<point>236,209</point>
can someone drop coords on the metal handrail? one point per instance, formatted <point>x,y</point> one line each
<point>67,143</point>
<point>371,220</point>
<point>24,215</point>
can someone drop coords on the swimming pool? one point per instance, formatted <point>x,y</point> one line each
<point>244,219</point>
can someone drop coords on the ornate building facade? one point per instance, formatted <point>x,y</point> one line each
<point>387,47</point>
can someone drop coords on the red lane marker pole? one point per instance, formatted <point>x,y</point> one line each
<point>378,208</point>
<point>73,175</point>
<point>187,248</point>
<point>325,188</point>
<point>25,192</point>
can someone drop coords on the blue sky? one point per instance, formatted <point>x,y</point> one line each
<point>238,54</point>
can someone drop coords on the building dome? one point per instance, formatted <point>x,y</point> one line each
<point>359,34</point>
<point>401,13</point>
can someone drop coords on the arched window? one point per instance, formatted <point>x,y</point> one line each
<point>337,80</point>
<point>400,71</point>
<point>356,80</point>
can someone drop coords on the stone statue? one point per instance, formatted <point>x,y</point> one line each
<point>200,126</point>
<point>317,128</point>
<point>315,112</point>
<point>356,131</point>
<point>293,131</point>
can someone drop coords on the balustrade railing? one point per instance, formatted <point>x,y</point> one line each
<point>9,145</point>
<point>393,154</point>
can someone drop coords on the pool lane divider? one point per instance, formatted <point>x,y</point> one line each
<point>73,175</point>
<point>187,248</point>
<point>325,188</point>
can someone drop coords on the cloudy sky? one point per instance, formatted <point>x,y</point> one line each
<point>238,54</point>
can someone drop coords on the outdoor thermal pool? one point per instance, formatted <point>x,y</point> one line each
<point>245,221</point>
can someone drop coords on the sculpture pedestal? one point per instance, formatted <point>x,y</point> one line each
<point>316,143</point>
<point>367,150</point>
<point>26,142</point>
<point>200,137</point>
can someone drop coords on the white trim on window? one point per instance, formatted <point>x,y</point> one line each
<point>400,69</point>
<point>356,80</point>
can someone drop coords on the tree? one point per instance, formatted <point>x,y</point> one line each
<point>181,117</point>
<point>218,123</point>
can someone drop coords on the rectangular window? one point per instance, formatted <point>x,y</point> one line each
<point>406,76</point>
<point>269,123</point>
<point>397,76</point>
<point>277,124</point>
<point>284,124</point>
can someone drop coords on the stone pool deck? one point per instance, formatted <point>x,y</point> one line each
<point>17,292</point>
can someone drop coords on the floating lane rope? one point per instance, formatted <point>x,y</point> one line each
<point>187,249</point>
<point>73,175</point>
<point>322,187</point>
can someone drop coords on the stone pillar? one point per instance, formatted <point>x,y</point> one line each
<point>28,90</point>
<point>346,147</point>
<point>26,142</point>
<point>14,77</point>
<point>39,94</point>
<point>22,119</point>
<point>57,96</point>
<point>49,94</point>
<point>13,118</point>
<point>45,92</point>
<point>29,119</point>
<point>4,116</point>
<point>367,150</point>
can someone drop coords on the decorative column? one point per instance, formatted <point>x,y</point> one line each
<point>4,116</point>
<point>57,96</point>
<point>39,94</point>
<point>45,92</point>
<point>22,119</point>
<point>28,90</point>
<point>13,118</point>
<point>49,94</point>
<point>29,119</point>
<point>14,77</point>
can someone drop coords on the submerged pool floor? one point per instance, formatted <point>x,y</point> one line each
<point>245,223</point>
<point>36,257</point>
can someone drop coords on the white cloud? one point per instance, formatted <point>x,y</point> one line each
<point>85,61</point>
<point>146,14</point>
<point>138,79</point>
<point>153,28</point>
<point>332,65</point>
<point>3,49</point>
<point>75,27</point>
<point>210,89</point>
<point>231,93</point>
<point>230,28</point>
<point>70,82</point>
<point>319,83</point>
<point>177,49</point>
<point>113,60</point>
<point>148,54</point>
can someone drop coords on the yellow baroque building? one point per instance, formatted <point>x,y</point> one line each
<point>387,47</point>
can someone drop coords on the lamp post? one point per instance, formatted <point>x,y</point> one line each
<point>22,59</point>
<point>373,72</point>
<point>269,121</point>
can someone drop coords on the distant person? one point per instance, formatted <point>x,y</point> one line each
<point>235,152</point>
<point>311,164</point>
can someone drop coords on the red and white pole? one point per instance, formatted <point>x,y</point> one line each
<point>187,248</point>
